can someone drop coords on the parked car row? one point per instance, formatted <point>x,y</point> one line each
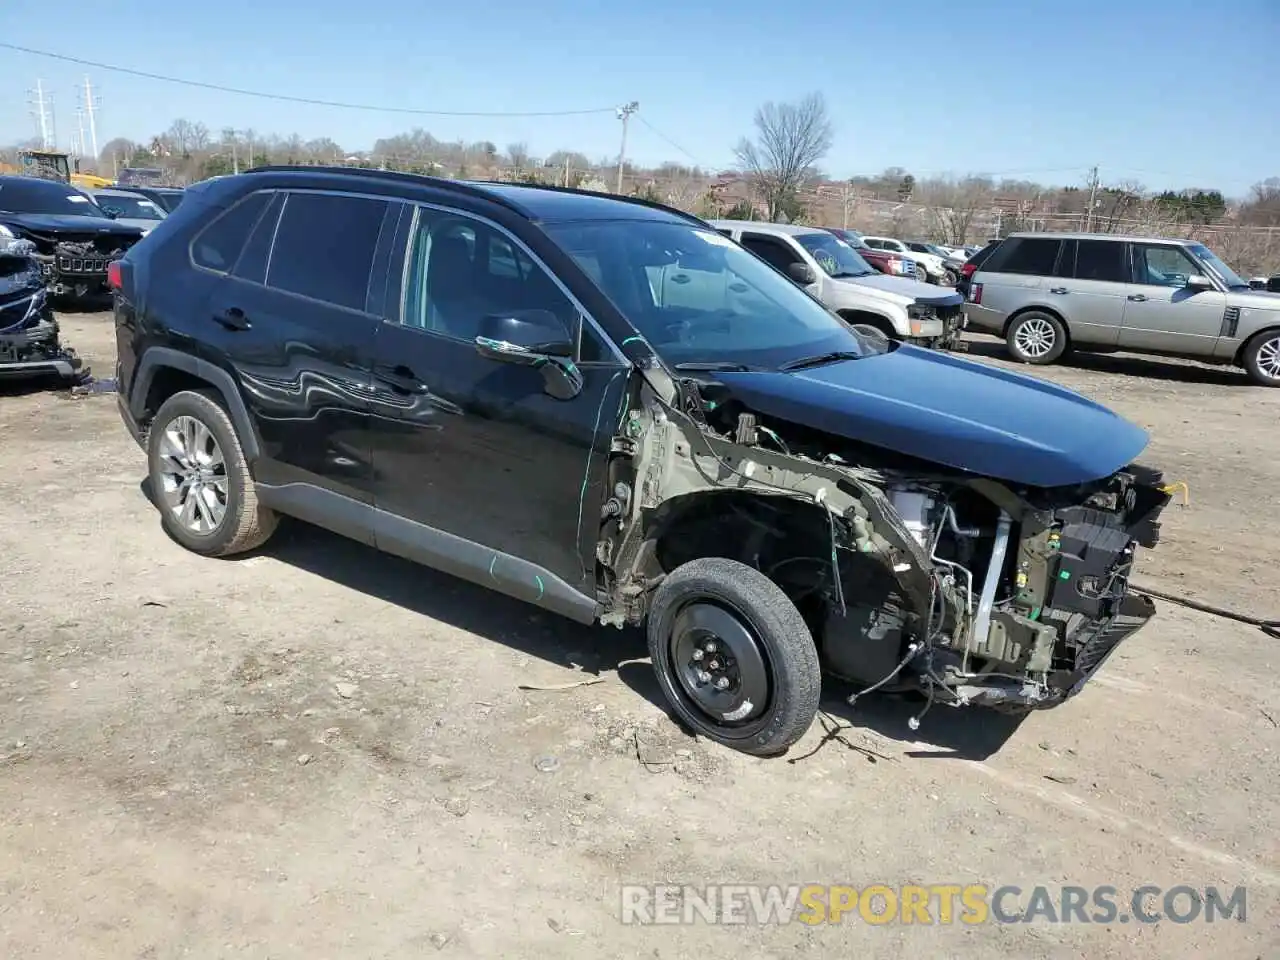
<point>615,411</point>
<point>835,273</point>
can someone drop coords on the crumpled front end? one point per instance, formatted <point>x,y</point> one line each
<point>912,576</point>
<point>75,266</point>
<point>1033,586</point>
<point>29,336</point>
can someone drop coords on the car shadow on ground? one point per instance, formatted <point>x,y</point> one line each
<point>1122,364</point>
<point>970,734</point>
<point>459,603</point>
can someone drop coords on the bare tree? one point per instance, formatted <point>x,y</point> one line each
<point>518,155</point>
<point>790,140</point>
<point>951,205</point>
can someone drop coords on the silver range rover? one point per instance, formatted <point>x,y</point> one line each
<point>1047,293</point>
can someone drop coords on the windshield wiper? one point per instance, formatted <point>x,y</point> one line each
<point>845,273</point>
<point>835,356</point>
<point>714,366</point>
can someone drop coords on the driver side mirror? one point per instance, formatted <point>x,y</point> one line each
<point>1198,281</point>
<point>533,338</point>
<point>802,273</point>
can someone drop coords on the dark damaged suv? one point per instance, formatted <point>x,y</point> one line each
<point>487,379</point>
<point>74,239</point>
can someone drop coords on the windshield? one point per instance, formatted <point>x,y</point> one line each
<point>1229,276</point>
<point>937,251</point>
<point>50,198</point>
<point>834,256</point>
<point>129,207</point>
<point>698,297</point>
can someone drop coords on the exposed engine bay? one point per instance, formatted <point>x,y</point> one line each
<point>76,266</point>
<point>911,576</point>
<point>29,337</point>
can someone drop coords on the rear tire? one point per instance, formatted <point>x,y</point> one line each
<point>729,621</point>
<point>200,480</point>
<point>1262,359</point>
<point>1036,337</point>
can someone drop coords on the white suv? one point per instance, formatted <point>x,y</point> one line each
<point>832,271</point>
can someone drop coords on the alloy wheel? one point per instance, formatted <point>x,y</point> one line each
<point>193,475</point>
<point>1035,337</point>
<point>1269,358</point>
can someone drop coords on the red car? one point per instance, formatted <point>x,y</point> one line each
<point>893,264</point>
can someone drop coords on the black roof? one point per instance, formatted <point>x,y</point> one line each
<point>544,204</point>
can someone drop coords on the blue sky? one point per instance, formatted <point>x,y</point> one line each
<point>1170,93</point>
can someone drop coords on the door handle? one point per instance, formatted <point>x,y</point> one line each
<point>1138,297</point>
<point>1059,290</point>
<point>233,318</point>
<point>680,278</point>
<point>402,380</point>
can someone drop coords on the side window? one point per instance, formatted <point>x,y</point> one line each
<point>217,246</point>
<point>1030,256</point>
<point>252,264</point>
<point>874,243</point>
<point>1161,266</point>
<point>771,250</point>
<point>727,233</point>
<point>461,270</point>
<point>1101,260</point>
<point>324,247</point>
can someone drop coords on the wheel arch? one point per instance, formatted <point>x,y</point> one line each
<point>164,371</point>
<point>1238,359</point>
<point>878,320</point>
<point>1037,308</point>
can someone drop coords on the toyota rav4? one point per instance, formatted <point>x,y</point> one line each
<point>485,378</point>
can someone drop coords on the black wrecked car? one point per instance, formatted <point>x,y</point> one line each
<point>604,407</point>
<point>74,239</point>
<point>29,342</point>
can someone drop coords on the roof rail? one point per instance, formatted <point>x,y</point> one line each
<point>580,192</point>
<point>474,187</point>
<point>395,176</point>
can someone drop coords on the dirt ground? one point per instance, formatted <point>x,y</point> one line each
<point>323,752</point>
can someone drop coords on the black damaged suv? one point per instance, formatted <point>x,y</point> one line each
<point>604,407</point>
<point>74,239</point>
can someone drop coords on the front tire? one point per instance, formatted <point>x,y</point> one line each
<point>734,657</point>
<point>1037,338</point>
<point>200,480</point>
<point>1262,359</point>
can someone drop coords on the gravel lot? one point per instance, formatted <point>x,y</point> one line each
<point>323,752</point>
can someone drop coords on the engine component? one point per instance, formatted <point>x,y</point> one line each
<point>914,506</point>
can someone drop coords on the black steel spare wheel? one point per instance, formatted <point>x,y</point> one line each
<point>734,656</point>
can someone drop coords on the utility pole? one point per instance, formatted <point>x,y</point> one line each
<point>847,199</point>
<point>90,106</point>
<point>1093,195</point>
<point>566,169</point>
<point>624,114</point>
<point>40,110</point>
<point>80,141</point>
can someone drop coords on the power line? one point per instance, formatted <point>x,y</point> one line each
<point>307,100</point>
<point>671,143</point>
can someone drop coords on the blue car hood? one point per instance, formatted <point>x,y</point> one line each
<point>953,412</point>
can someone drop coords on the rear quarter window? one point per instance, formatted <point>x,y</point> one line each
<point>1030,256</point>
<point>218,245</point>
